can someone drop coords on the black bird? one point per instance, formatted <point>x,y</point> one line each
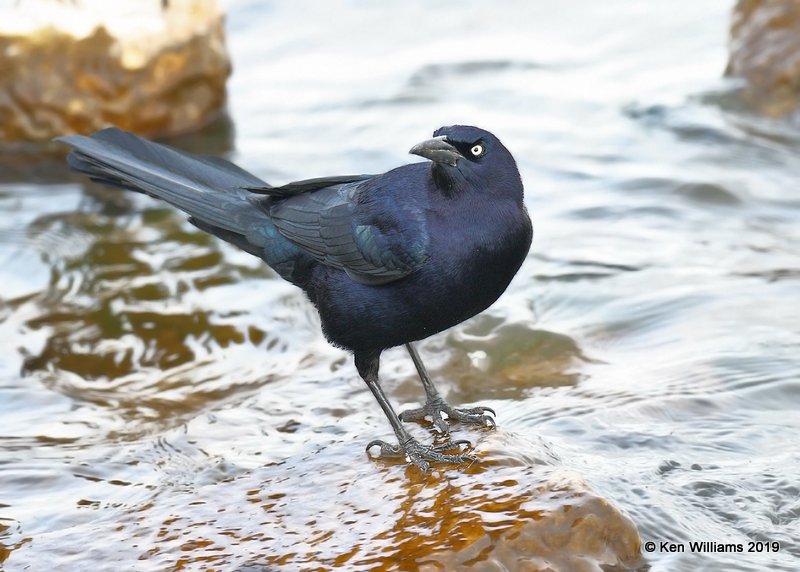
<point>386,259</point>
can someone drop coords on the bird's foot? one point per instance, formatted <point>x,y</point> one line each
<point>421,456</point>
<point>435,410</point>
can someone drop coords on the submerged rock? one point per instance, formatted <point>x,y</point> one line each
<point>765,53</point>
<point>157,67</point>
<point>540,521</point>
<point>581,533</point>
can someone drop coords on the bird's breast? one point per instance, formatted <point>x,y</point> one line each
<point>470,263</point>
<point>474,257</point>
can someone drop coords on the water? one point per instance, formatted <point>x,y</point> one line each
<point>168,403</point>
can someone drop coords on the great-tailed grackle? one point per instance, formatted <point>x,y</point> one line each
<point>386,259</point>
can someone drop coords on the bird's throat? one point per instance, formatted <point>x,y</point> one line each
<point>444,179</point>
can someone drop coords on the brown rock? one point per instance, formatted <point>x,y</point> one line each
<point>765,52</point>
<point>56,78</point>
<point>562,527</point>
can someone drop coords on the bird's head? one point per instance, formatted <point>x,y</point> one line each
<point>465,154</point>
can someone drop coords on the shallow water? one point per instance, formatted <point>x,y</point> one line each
<point>168,403</point>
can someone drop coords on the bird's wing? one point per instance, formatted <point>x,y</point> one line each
<point>305,186</point>
<point>373,245</point>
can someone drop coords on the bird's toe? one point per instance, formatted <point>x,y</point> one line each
<point>478,410</point>
<point>387,450</point>
<point>422,456</point>
<point>417,414</point>
<point>438,412</point>
<point>432,413</point>
<point>474,416</point>
<point>442,426</point>
<point>460,445</point>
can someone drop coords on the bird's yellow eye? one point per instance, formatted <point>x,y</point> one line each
<point>477,150</point>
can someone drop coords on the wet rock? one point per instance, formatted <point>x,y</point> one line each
<point>765,53</point>
<point>568,529</point>
<point>324,511</point>
<point>158,68</point>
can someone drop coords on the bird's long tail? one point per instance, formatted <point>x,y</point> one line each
<point>209,189</point>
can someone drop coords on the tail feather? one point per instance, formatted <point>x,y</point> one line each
<point>209,189</point>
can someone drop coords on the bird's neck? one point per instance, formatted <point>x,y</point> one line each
<point>453,184</point>
<point>445,180</point>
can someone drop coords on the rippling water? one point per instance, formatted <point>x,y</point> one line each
<point>168,403</point>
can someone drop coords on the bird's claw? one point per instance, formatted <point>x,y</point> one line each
<point>388,451</point>
<point>433,411</point>
<point>479,410</point>
<point>421,456</point>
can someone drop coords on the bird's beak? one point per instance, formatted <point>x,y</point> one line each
<point>437,150</point>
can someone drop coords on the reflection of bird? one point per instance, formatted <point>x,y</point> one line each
<point>386,259</point>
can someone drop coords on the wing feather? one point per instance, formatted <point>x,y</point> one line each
<point>339,230</point>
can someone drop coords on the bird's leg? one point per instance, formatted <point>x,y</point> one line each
<point>407,447</point>
<point>435,406</point>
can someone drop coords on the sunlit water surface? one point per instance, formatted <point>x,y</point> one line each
<point>168,403</point>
